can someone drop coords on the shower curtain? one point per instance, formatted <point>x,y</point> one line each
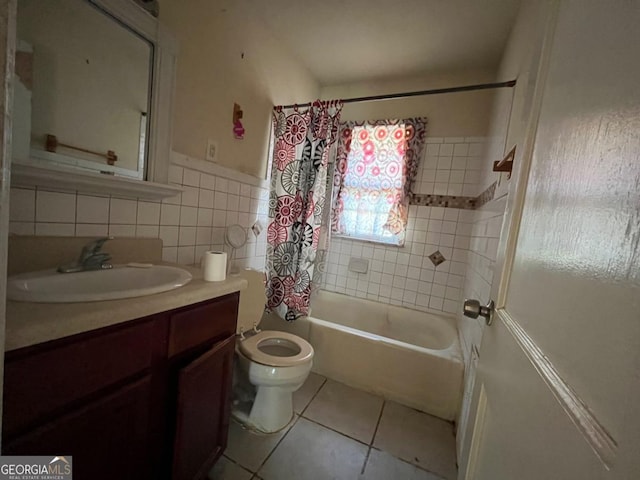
<point>301,179</point>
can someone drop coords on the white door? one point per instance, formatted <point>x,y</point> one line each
<point>558,380</point>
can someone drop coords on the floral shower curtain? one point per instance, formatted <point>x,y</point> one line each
<point>376,165</point>
<point>301,178</point>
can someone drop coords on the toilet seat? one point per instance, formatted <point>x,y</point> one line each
<point>249,347</point>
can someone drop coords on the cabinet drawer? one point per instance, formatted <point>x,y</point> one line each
<point>47,379</point>
<point>200,324</point>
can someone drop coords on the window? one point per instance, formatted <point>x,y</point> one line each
<point>375,166</point>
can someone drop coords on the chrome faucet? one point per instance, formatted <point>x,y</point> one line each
<point>91,258</point>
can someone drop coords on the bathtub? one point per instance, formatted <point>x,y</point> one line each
<point>403,355</point>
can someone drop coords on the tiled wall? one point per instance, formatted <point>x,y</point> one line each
<point>451,166</point>
<point>485,235</point>
<point>188,224</point>
<point>486,224</point>
<point>405,275</point>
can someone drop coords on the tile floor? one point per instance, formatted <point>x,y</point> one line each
<point>343,433</point>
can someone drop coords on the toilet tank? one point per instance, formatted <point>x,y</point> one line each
<point>252,300</point>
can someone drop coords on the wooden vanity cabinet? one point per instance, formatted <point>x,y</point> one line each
<point>146,399</point>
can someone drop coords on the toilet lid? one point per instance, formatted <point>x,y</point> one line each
<point>272,348</point>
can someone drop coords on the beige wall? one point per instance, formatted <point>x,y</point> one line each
<point>450,115</point>
<point>212,75</point>
<point>90,79</point>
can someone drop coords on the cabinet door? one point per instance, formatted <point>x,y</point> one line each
<point>108,438</point>
<point>204,388</point>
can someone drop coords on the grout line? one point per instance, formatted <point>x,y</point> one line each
<point>336,431</point>
<point>373,437</point>
<point>293,424</point>
<point>375,432</point>
<point>314,396</point>
<point>237,464</point>
<point>366,460</point>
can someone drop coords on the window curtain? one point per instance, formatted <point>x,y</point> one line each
<point>367,188</point>
<point>301,180</point>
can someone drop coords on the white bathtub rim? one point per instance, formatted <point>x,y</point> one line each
<point>451,352</point>
<point>413,308</point>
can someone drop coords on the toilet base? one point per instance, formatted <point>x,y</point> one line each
<point>270,412</point>
<point>271,409</point>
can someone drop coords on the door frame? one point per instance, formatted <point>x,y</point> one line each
<point>7,61</point>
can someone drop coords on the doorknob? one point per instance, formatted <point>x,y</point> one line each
<point>473,309</point>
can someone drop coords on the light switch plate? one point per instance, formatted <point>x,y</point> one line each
<point>212,150</point>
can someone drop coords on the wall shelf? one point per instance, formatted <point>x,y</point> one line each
<point>31,174</point>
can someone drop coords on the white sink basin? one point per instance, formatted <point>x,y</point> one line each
<point>49,286</point>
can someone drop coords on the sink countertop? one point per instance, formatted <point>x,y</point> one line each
<point>33,323</point>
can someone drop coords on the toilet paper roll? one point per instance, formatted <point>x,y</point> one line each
<point>214,265</point>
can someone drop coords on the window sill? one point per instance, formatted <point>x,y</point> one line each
<point>367,240</point>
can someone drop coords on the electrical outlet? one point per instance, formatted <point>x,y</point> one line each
<point>212,150</point>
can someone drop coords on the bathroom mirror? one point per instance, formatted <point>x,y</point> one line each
<point>93,92</point>
<point>88,85</point>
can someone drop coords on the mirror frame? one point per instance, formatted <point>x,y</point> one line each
<point>165,49</point>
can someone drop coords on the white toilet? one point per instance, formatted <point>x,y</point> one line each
<point>270,365</point>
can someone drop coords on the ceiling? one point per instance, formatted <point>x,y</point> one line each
<point>344,41</point>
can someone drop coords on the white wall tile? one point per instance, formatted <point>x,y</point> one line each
<point>173,220</point>
<point>205,217</point>
<point>459,163</point>
<point>203,235</point>
<point>187,236</point>
<point>234,187</point>
<point>190,196</point>
<point>207,181</point>
<point>148,213</point>
<point>170,254</point>
<point>233,202</point>
<point>56,229</point>
<point>169,214</point>
<point>55,207</point>
<point>220,200</point>
<point>22,205</point>
<point>188,216</point>
<point>169,236</point>
<point>186,255</point>
<point>123,211</point>
<point>436,303</point>
<point>446,149</point>
<point>191,178</point>
<point>92,209</point>
<point>148,231</point>
<point>22,228</point>
<point>460,149</point>
<point>205,199</point>
<point>91,230</point>
<point>222,185</point>
<point>199,252</point>
<point>118,230</point>
<point>175,174</point>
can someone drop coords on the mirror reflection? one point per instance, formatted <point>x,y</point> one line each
<point>82,88</point>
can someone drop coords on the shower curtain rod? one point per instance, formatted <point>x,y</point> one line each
<point>435,91</point>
